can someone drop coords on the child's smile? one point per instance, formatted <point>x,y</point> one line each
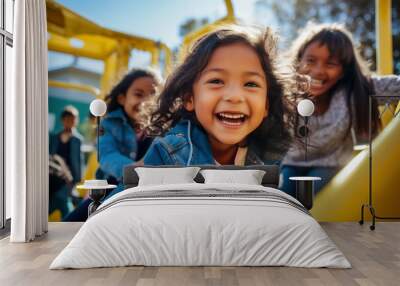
<point>230,95</point>
<point>231,120</point>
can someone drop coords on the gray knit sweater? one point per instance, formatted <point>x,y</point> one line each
<point>330,143</point>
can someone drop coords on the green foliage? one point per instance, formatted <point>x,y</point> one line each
<point>357,15</point>
<point>191,25</point>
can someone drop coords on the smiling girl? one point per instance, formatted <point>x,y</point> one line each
<point>223,104</point>
<point>340,87</point>
<point>121,142</point>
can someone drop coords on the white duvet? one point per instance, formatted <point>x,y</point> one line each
<point>207,230</point>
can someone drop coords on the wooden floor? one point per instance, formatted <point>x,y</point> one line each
<point>374,255</point>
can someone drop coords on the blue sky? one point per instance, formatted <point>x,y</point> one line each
<point>155,19</point>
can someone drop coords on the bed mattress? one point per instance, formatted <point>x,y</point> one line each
<point>201,225</point>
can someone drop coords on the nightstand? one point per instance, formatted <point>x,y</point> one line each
<point>305,190</point>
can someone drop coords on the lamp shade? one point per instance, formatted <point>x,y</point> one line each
<point>305,107</point>
<point>98,107</point>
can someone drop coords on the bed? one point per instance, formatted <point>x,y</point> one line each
<point>201,224</point>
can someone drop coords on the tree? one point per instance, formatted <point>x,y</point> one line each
<point>358,16</point>
<point>191,25</point>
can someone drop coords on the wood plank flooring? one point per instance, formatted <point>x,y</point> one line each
<point>374,255</point>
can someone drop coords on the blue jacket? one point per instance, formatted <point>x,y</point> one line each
<point>75,155</point>
<point>117,144</point>
<point>186,144</point>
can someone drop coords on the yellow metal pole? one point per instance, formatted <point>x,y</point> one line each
<point>114,67</point>
<point>108,77</point>
<point>155,54</point>
<point>92,47</point>
<point>384,44</point>
<point>229,10</point>
<point>76,86</point>
<point>123,59</point>
<point>168,61</point>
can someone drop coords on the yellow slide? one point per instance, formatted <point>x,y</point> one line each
<point>342,198</point>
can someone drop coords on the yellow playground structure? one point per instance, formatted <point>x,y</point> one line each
<point>66,27</point>
<point>114,48</point>
<point>342,198</point>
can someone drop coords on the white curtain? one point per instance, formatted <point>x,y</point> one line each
<point>26,124</point>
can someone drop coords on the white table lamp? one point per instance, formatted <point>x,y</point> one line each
<point>98,108</point>
<point>97,188</point>
<point>305,108</point>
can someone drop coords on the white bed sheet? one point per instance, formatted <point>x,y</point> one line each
<point>205,231</point>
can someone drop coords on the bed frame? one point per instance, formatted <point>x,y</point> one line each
<point>270,179</point>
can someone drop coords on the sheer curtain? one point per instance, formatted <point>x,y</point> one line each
<point>26,124</point>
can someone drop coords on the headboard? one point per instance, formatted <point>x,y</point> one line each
<point>270,179</point>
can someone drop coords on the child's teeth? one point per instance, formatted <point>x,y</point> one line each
<point>233,116</point>
<point>315,81</point>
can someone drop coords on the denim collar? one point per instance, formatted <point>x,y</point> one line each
<point>201,146</point>
<point>118,114</point>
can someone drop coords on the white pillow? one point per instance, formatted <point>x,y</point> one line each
<point>249,177</point>
<point>162,176</point>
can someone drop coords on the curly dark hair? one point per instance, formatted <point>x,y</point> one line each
<point>272,136</point>
<point>356,80</point>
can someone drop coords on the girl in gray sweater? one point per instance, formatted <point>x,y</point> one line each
<point>340,85</point>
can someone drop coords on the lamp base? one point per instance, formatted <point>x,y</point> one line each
<point>374,216</point>
<point>96,195</point>
<point>372,211</point>
<point>97,192</point>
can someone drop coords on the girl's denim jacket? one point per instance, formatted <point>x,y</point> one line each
<point>186,144</point>
<point>117,145</point>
